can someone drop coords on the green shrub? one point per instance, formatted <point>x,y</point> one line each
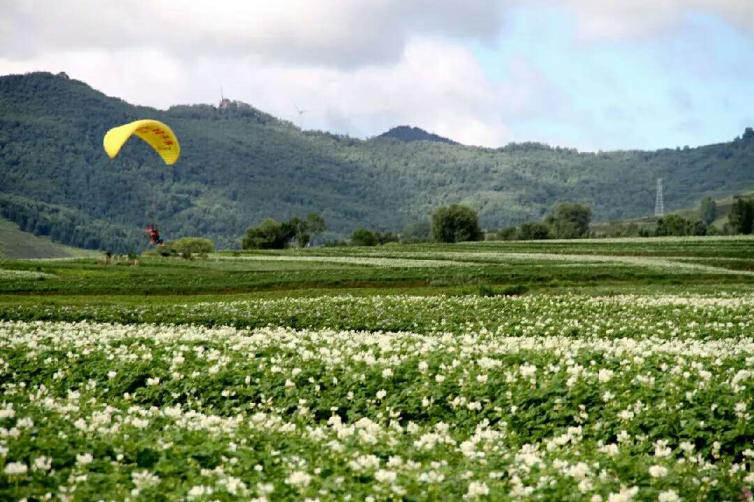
<point>192,245</point>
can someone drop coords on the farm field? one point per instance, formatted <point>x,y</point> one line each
<point>558,370</point>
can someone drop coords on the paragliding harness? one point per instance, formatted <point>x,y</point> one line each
<point>154,235</point>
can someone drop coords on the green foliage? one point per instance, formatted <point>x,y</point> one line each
<point>570,221</point>
<point>741,216</point>
<point>363,237</point>
<point>534,231</point>
<point>506,234</point>
<point>305,230</point>
<point>677,225</point>
<point>192,245</point>
<point>455,223</point>
<point>672,224</point>
<point>708,210</point>
<point>271,234</point>
<point>420,231</point>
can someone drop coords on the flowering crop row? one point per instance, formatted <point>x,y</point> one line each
<point>532,315</point>
<point>660,412</point>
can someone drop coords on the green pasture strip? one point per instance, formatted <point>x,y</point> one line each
<point>229,276</point>
<point>719,246</point>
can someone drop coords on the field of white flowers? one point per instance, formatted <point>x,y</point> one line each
<point>554,398</point>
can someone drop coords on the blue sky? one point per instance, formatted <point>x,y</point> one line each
<point>594,75</point>
<point>692,85</point>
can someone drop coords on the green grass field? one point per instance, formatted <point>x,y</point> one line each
<point>556,370</point>
<point>15,244</point>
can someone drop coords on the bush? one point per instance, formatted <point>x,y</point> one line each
<point>363,237</point>
<point>533,231</point>
<point>507,234</point>
<point>270,234</point>
<point>570,221</point>
<point>192,245</point>
<point>674,224</point>
<point>456,223</point>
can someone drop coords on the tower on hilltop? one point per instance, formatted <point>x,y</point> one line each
<point>659,203</point>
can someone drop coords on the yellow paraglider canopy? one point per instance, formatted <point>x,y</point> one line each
<point>156,134</point>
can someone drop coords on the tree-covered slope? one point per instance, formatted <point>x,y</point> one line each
<point>240,165</point>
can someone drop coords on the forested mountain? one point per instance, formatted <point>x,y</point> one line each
<point>240,165</point>
<point>408,133</point>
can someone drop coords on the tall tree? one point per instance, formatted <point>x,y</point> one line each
<point>570,220</point>
<point>708,210</point>
<point>741,216</point>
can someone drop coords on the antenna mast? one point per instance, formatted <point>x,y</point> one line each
<point>300,116</point>
<point>659,204</point>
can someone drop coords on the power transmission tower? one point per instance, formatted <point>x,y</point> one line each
<point>659,204</point>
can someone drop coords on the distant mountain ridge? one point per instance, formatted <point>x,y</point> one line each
<point>408,133</point>
<point>240,165</point>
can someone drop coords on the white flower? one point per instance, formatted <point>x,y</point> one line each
<point>423,366</point>
<point>42,464</point>
<point>153,381</point>
<point>299,479</point>
<point>381,394</point>
<point>658,471</point>
<point>84,459</point>
<point>387,373</point>
<point>481,378</point>
<point>15,468</point>
<point>199,491</point>
<point>439,378</point>
<point>111,374</point>
<point>25,423</point>
<point>527,370</point>
<point>624,495</point>
<point>668,496</point>
<point>265,488</point>
<point>477,489</point>
<point>7,411</point>
<point>605,375</point>
<point>578,471</point>
<point>385,476</point>
<point>661,448</point>
<point>144,479</point>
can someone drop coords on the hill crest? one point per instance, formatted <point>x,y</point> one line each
<point>410,133</point>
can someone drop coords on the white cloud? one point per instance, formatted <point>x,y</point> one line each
<point>355,66</point>
<point>332,32</point>
<point>627,19</point>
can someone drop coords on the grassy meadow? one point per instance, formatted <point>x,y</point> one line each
<point>597,370</point>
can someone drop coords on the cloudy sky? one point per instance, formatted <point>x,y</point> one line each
<point>591,74</point>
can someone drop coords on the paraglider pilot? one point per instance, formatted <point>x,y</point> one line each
<point>154,235</point>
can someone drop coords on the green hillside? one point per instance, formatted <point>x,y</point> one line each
<point>17,244</point>
<point>240,165</point>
